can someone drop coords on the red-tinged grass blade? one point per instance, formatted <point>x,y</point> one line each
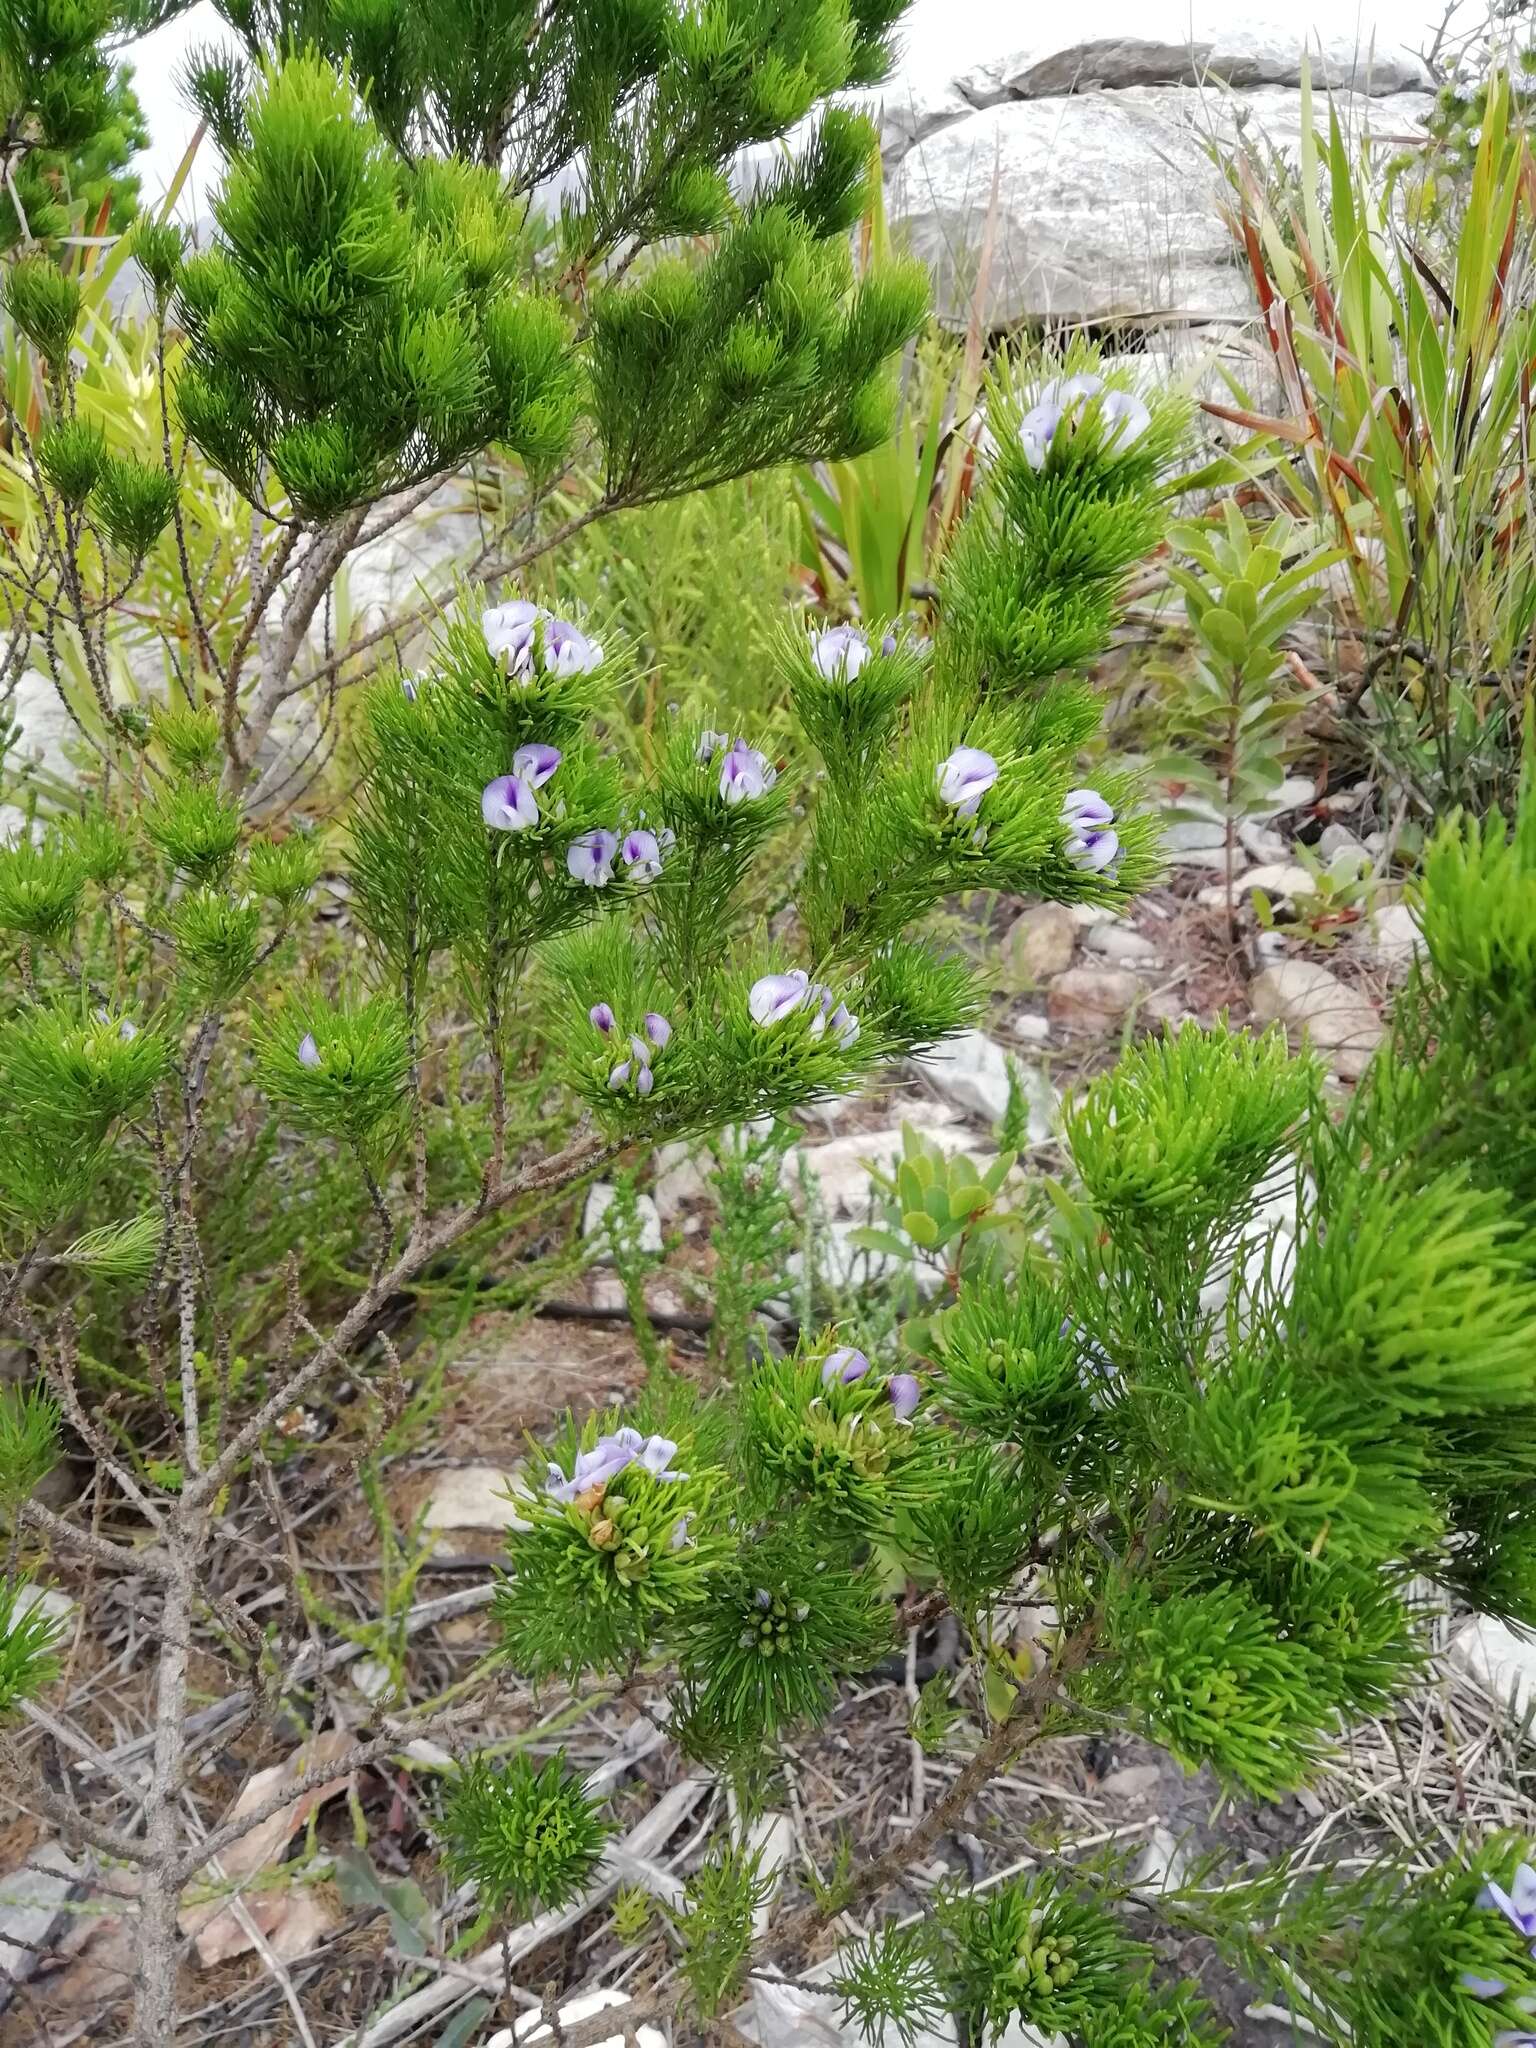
<point>1294,431</point>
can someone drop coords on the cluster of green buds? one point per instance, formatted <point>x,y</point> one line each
<point>771,1626</point>
<point>1045,1957</point>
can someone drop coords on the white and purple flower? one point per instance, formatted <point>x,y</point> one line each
<point>508,804</point>
<point>535,764</point>
<point>1518,1904</point>
<point>964,777</point>
<point>637,1067</point>
<point>710,744</point>
<point>905,1392</point>
<point>845,1365</point>
<point>589,858</point>
<point>513,632</point>
<point>745,774</point>
<point>1122,417</point>
<point>839,652</point>
<point>309,1053</point>
<point>601,1017</point>
<point>773,997</point>
<point>608,1457</point>
<point>642,853</point>
<point>1092,842</point>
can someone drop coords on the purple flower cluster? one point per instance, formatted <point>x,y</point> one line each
<point>744,772</point>
<point>637,1068</point>
<point>610,1456</point>
<point>964,777</point>
<point>1122,417</point>
<point>520,633</point>
<point>1092,842</point>
<point>773,997</point>
<point>509,804</point>
<point>839,652</point>
<point>1518,1906</point>
<point>845,1366</point>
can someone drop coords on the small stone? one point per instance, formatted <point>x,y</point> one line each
<point>475,1497</point>
<point>1282,881</point>
<point>34,1901</point>
<point>1307,999</point>
<point>1123,944</point>
<point>1092,999</point>
<point>972,1070</point>
<point>372,1678</point>
<point>51,1604</point>
<point>678,1187</point>
<point>1259,843</point>
<point>1161,1866</point>
<point>842,1166</point>
<point>1392,940</point>
<point>1336,843</point>
<point>1503,1663</point>
<point>1028,1026</point>
<point>600,1200</point>
<point>1135,1781</point>
<point>1193,835</point>
<point>1038,944</point>
<point>1294,794</point>
<point>1086,915</point>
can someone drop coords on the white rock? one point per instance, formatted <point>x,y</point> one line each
<point>1162,1865</point>
<point>1092,999</point>
<point>1259,843</point>
<point>1280,880</point>
<point>1123,944</point>
<point>1135,1781</point>
<point>1500,1661</point>
<point>1192,835</point>
<point>1037,945</point>
<point>679,1186</point>
<point>972,1071</point>
<point>32,1902</point>
<point>1310,1001</point>
<point>1119,43</point>
<point>1105,199</point>
<point>372,1678</point>
<point>476,1497</point>
<point>600,1200</point>
<point>52,1604</point>
<point>843,1165</point>
<point>1294,794</point>
<point>1336,843</point>
<point>1086,915</point>
<point>1392,940</point>
<point>1028,1026</point>
<point>530,2027</point>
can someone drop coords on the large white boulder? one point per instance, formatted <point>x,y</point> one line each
<point>1108,201</point>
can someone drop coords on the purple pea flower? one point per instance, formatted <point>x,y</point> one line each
<point>1483,1987</point>
<point>568,651</point>
<point>619,1076</point>
<point>905,1394</point>
<point>1092,843</point>
<point>839,653</point>
<point>1037,431</point>
<point>589,858</point>
<point>507,804</point>
<point>964,777</point>
<point>641,853</point>
<point>845,1365</point>
<point>1518,1904</point>
<point>409,688</point>
<point>657,1029</point>
<point>1124,418</point>
<point>888,643</point>
<point>601,1015</point>
<point>774,996</point>
<point>535,764</point>
<point>844,1026</point>
<point>509,631</point>
<point>126,1029</point>
<point>710,744</point>
<point>309,1052</point>
<point>645,1080</point>
<point>745,774</point>
<point>656,1456</point>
